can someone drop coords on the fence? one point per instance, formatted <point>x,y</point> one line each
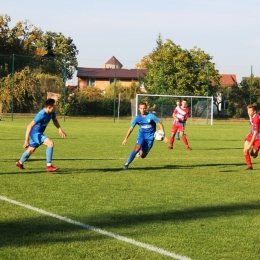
<point>26,82</point>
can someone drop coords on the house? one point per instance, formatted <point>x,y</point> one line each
<point>226,80</point>
<point>103,77</point>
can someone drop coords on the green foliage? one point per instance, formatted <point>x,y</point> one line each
<point>126,93</point>
<point>25,90</point>
<point>174,71</point>
<point>91,101</point>
<point>239,96</point>
<point>50,83</point>
<point>62,49</point>
<point>30,41</point>
<point>36,62</point>
<point>22,39</point>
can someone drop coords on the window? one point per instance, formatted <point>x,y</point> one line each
<point>91,82</point>
<point>111,81</point>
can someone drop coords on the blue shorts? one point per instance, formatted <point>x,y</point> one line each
<point>146,144</point>
<point>37,139</point>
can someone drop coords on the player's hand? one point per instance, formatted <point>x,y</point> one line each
<point>62,133</point>
<point>124,141</point>
<point>165,139</point>
<point>26,144</point>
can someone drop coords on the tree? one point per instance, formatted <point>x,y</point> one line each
<point>21,39</point>
<point>126,93</point>
<point>25,91</point>
<point>50,58</point>
<point>172,70</point>
<point>240,94</point>
<point>62,50</point>
<point>49,52</point>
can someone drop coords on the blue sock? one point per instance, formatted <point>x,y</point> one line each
<point>131,157</point>
<point>49,152</point>
<point>24,157</point>
<point>178,135</point>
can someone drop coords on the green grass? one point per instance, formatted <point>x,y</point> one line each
<point>201,204</point>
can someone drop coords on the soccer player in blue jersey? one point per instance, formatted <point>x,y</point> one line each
<point>147,123</point>
<point>35,132</point>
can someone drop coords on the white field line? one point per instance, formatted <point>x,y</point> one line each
<point>101,231</point>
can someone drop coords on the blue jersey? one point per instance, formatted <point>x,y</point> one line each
<point>147,125</point>
<point>42,119</point>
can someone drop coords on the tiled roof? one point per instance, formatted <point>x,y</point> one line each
<point>114,61</point>
<point>228,79</point>
<point>98,73</point>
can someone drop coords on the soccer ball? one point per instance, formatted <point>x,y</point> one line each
<point>159,135</point>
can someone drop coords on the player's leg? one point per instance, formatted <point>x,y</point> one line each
<point>49,152</point>
<point>247,155</point>
<point>36,141</point>
<point>177,136</point>
<point>255,149</point>
<point>174,131</point>
<point>132,155</point>
<point>25,156</point>
<point>146,147</point>
<point>184,138</point>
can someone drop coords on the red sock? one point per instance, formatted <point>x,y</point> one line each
<point>185,141</point>
<point>248,160</point>
<point>171,141</point>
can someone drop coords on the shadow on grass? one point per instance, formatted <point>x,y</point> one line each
<point>188,214</point>
<point>220,148</point>
<point>44,229</point>
<point>30,170</point>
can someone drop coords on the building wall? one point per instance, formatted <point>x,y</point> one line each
<point>102,83</point>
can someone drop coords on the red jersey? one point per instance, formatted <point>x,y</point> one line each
<point>182,114</point>
<point>255,121</point>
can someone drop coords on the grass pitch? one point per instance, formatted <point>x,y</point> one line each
<point>199,204</point>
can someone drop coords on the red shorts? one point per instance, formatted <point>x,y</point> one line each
<point>256,143</point>
<point>176,128</point>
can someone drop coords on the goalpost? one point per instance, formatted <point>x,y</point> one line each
<point>201,107</point>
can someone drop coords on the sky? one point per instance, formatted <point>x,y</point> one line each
<point>227,30</point>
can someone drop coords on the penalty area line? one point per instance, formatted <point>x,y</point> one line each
<point>98,230</point>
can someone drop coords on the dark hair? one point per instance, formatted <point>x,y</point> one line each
<point>185,100</point>
<point>142,103</point>
<point>253,106</point>
<point>49,102</point>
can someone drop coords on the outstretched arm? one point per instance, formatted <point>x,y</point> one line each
<point>56,123</point>
<point>130,130</point>
<point>27,134</point>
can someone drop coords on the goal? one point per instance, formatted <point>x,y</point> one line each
<point>201,107</point>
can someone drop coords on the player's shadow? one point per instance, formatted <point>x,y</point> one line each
<point>221,148</point>
<point>89,170</point>
<point>148,169</point>
<point>12,139</point>
<point>41,230</point>
<point>187,214</point>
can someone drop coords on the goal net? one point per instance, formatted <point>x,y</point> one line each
<point>201,107</point>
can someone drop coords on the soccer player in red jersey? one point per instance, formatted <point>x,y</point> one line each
<point>180,115</point>
<point>253,138</point>
<point>178,104</point>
